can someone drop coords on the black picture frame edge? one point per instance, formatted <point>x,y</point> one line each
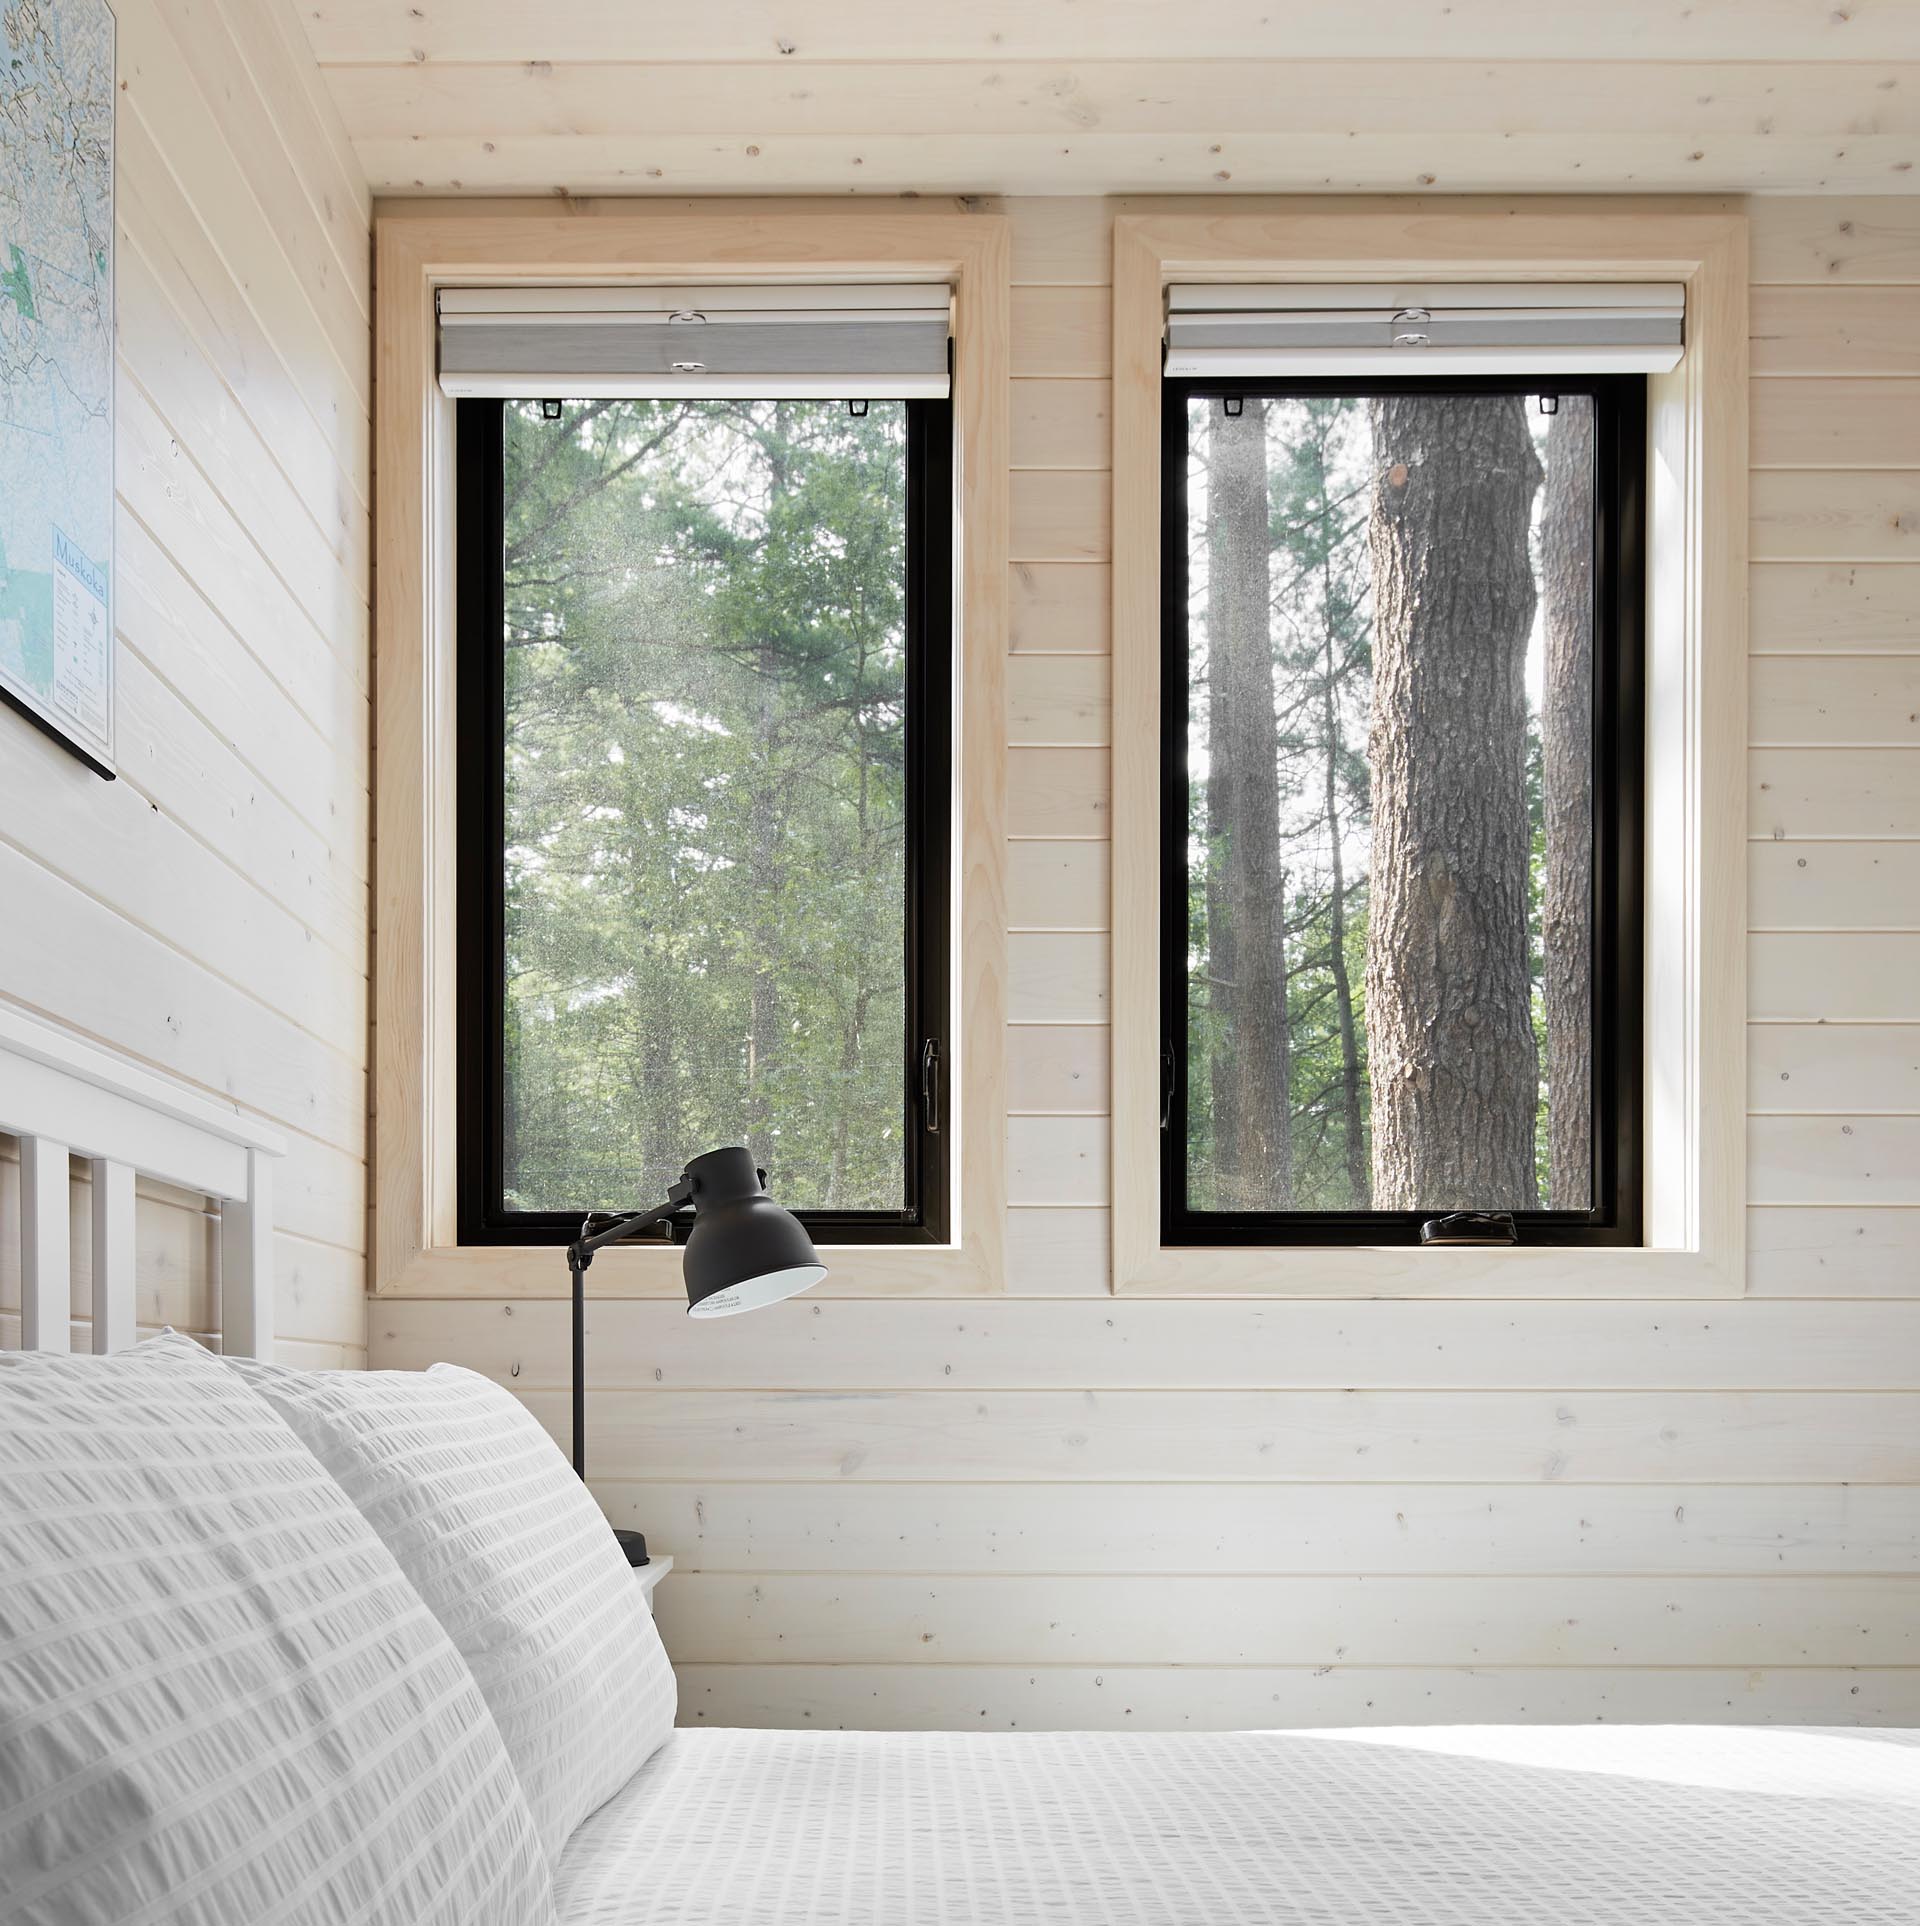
<point>54,733</point>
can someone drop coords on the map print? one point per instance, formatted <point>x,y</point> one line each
<point>56,367</point>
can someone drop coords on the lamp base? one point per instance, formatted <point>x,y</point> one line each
<point>634,1544</point>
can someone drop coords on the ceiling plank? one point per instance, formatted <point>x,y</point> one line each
<point>1467,162</point>
<point>641,101</point>
<point>1127,126</point>
<point>411,32</point>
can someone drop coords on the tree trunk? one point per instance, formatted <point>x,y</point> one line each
<point>853,1031</point>
<point>656,1097</point>
<point>764,828</point>
<point>1449,1019</point>
<point>1566,718</point>
<point>1250,1065</point>
<point>1352,1124</point>
<point>763,873</point>
<point>851,1038</point>
<point>1335,610</point>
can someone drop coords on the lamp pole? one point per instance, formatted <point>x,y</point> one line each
<point>742,1252</point>
<point>596,1233</point>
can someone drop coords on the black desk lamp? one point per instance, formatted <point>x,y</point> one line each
<point>742,1252</point>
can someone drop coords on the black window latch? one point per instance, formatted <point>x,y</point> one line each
<point>930,1086</point>
<point>1470,1227</point>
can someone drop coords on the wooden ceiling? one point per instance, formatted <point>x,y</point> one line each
<point>1116,96</point>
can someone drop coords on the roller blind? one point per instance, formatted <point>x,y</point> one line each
<point>776,342</point>
<point>1381,327</point>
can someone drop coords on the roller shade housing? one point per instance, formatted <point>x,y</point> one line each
<point>1381,327</point>
<point>773,342</point>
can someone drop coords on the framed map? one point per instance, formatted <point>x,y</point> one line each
<point>56,371</point>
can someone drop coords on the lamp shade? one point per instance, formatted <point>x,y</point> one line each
<point>744,1251</point>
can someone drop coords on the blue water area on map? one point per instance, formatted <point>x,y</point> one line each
<point>26,623</point>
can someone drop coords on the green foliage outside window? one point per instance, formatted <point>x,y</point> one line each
<point>705,860</point>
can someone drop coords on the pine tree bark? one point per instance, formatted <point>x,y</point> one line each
<point>1333,672</point>
<point>1450,1040</point>
<point>1566,718</point>
<point>1352,1124</point>
<point>854,1024</point>
<point>1250,1068</point>
<point>764,868</point>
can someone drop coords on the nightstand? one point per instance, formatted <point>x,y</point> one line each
<point>649,1575</point>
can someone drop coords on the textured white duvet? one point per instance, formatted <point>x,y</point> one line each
<point>1475,1826</point>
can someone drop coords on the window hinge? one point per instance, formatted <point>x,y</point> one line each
<point>1169,1075</point>
<point>930,1086</point>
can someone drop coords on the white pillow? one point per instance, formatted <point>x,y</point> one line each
<point>506,1545</point>
<point>220,1701</point>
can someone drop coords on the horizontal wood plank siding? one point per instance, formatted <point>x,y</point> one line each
<point>1043,100</point>
<point>1191,1619</point>
<point>393,33</point>
<point>1833,886</point>
<point>1200,1344</point>
<point>207,913</point>
<point>1146,1697</point>
<point>1460,1531</point>
<point>903,1513</point>
<point>1256,1437</point>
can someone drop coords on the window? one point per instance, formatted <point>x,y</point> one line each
<point>1401,807</point>
<point>704,667</point>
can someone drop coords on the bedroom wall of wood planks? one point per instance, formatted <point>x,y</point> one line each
<point>207,913</point>
<point>1052,1508</point>
<point>1055,1508</point>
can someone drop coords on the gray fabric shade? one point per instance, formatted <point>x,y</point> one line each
<point>766,341</point>
<point>1379,328</point>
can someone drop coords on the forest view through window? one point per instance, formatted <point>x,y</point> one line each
<point>703,769</point>
<point>1401,789</point>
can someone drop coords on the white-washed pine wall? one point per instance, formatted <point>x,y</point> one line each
<point>207,913</point>
<point>1062,1509</point>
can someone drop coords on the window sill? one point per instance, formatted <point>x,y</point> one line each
<point>1411,1271</point>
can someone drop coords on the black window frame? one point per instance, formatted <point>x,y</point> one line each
<point>1619,578</point>
<point>480,835</point>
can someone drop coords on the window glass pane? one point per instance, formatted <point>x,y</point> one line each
<point>705,798</point>
<point>1390,832</point>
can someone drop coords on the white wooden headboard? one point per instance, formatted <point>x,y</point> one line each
<point>61,1096</point>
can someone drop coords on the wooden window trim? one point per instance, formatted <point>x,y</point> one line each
<point>1695,869</point>
<point>414,1237</point>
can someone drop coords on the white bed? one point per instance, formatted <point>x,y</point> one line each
<point>1470,1826</point>
<point>178,1566</point>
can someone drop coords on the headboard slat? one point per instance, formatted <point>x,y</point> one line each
<point>246,1264</point>
<point>46,1246</point>
<point>113,1256</point>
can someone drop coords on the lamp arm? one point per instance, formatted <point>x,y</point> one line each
<point>580,1251</point>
